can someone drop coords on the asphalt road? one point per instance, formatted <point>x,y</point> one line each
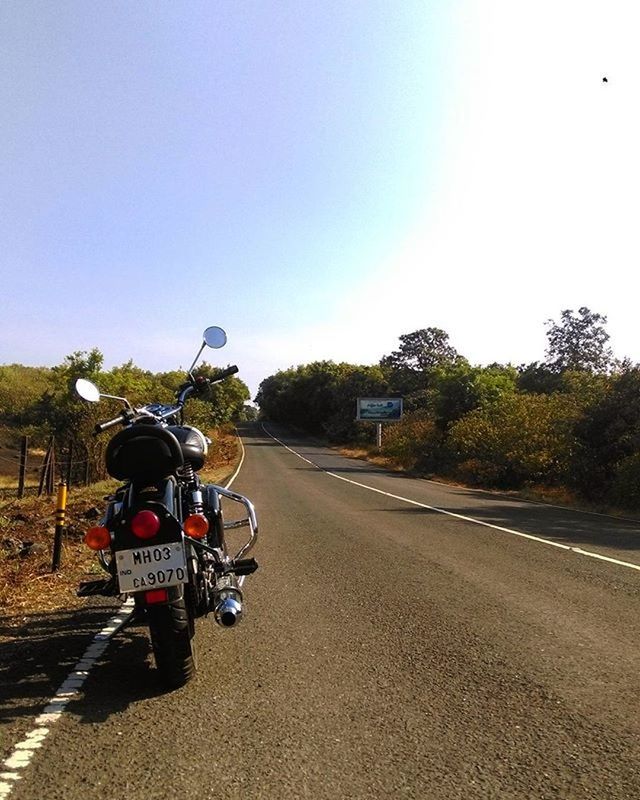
<point>389,651</point>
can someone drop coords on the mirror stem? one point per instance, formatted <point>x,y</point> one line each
<point>195,360</point>
<point>115,397</point>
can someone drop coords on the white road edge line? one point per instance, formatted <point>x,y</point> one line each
<point>540,539</point>
<point>237,472</point>
<point>24,751</point>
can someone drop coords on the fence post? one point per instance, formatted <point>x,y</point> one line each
<point>44,472</point>
<point>86,466</point>
<point>52,470</point>
<point>69,461</point>
<point>23,466</point>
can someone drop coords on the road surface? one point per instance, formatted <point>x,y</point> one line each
<point>390,650</point>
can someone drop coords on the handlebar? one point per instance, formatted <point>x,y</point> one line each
<point>226,373</point>
<point>201,383</point>
<point>119,420</point>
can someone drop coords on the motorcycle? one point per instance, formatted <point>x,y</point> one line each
<point>162,540</point>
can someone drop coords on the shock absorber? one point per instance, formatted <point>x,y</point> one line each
<point>195,495</point>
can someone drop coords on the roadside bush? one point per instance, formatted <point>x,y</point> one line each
<point>518,439</point>
<point>414,443</point>
<point>625,487</point>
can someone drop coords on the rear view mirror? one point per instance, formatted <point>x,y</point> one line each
<point>214,337</point>
<point>87,390</point>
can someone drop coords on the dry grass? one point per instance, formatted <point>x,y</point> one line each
<point>373,457</point>
<point>10,461</point>
<point>27,585</point>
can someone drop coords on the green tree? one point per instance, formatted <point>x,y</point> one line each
<point>537,378</point>
<point>421,350</point>
<point>320,397</point>
<point>608,440</point>
<point>578,342</point>
<point>21,388</point>
<point>409,369</point>
<point>458,388</point>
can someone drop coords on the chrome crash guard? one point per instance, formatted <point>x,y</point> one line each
<point>230,571</point>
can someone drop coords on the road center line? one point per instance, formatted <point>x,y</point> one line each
<point>540,539</point>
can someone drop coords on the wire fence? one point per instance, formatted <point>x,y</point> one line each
<point>33,471</point>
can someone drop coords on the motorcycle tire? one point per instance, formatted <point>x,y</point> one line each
<point>171,631</point>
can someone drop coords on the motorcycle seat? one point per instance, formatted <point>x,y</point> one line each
<point>143,454</point>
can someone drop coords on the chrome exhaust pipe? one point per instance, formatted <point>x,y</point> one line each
<point>227,605</point>
<point>228,612</point>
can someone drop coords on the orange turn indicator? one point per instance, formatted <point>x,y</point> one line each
<point>97,538</point>
<point>196,525</point>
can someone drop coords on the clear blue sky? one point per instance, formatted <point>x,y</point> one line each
<point>317,178</point>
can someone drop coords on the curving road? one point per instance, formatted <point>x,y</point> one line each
<point>404,639</point>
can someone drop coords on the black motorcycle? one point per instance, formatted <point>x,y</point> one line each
<point>162,540</point>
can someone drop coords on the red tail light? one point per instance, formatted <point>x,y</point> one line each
<point>156,596</point>
<point>145,524</point>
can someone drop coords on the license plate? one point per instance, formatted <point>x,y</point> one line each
<point>151,567</point>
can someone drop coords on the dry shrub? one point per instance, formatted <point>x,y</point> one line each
<point>518,439</point>
<point>477,472</point>
<point>625,489</point>
<point>414,443</point>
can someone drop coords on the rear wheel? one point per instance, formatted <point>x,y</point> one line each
<point>171,629</point>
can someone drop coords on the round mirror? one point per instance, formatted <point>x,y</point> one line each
<point>87,390</point>
<point>215,337</point>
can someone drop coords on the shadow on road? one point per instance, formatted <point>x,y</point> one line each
<point>38,656</point>
<point>124,676</point>
<point>253,436</point>
<point>573,528</point>
<point>566,526</point>
<point>357,471</point>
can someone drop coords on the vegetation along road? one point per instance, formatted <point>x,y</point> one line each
<point>403,639</point>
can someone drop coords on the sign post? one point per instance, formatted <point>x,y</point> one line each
<point>379,410</point>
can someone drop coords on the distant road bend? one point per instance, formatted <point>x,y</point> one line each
<point>403,639</point>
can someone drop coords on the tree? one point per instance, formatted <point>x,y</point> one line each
<point>320,397</point>
<point>459,388</point>
<point>537,378</point>
<point>421,350</point>
<point>608,434</point>
<point>20,388</point>
<point>578,342</point>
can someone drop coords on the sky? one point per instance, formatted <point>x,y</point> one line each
<point>316,178</point>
